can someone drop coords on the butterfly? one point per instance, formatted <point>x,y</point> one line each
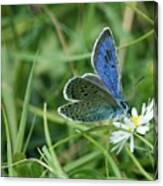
<point>96,97</point>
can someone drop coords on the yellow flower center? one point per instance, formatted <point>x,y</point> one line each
<point>136,120</point>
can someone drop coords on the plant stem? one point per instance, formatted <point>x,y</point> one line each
<point>138,40</point>
<point>112,164</point>
<point>138,165</point>
<point>145,141</point>
<point>142,14</point>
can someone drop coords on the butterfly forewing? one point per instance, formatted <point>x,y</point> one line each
<point>104,60</point>
<point>84,89</point>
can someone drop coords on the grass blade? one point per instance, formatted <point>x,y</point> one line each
<point>29,134</point>
<point>9,148</point>
<point>81,161</point>
<point>55,161</point>
<point>23,119</point>
<point>8,96</point>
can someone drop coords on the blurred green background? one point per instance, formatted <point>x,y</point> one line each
<point>60,37</point>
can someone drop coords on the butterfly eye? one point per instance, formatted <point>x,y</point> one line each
<point>124,105</point>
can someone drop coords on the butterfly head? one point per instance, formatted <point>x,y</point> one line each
<point>124,105</point>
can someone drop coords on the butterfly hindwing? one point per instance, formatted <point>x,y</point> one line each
<point>88,111</point>
<point>104,60</point>
<point>80,88</point>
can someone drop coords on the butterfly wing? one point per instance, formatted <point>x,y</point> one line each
<point>96,98</point>
<point>89,111</point>
<point>96,80</point>
<point>104,60</point>
<point>81,88</point>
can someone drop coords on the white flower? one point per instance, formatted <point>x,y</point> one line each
<point>130,125</point>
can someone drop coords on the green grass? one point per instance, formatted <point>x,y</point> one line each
<point>36,141</point>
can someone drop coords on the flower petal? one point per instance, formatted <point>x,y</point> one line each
<point>122,144</point>
<point>117,124</point>
<point>150,105</point>
<point>128,124</point>
<point>118,136</point>
<point>147,118</point>
<point>132,143</point>
<point>134,112</point>
<point>142,129</point>
<point>143,109</point>
<point>148,114</point>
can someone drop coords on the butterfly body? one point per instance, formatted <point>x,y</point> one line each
<point>95,97</point>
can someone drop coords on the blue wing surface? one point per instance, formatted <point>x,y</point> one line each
<point>105,62</point>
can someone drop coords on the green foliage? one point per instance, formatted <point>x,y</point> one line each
<point>39,142</point>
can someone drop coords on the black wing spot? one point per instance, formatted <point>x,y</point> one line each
<point>82,90</point>
<point>85,94</point>
<point>73,93</point>
<point>106,59</point>
<point>109,54</point>
<point>73,117</point>
<point>95,91</point>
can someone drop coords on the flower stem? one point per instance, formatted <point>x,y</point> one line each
<point>145,141</point>
<point>111,161</point>
<point>138,40</point>
<point>138,165</point>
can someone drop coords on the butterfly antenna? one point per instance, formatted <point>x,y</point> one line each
<point>135,85</point>
<point>139,80</point>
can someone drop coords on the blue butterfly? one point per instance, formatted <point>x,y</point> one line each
<point>95,97</point>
